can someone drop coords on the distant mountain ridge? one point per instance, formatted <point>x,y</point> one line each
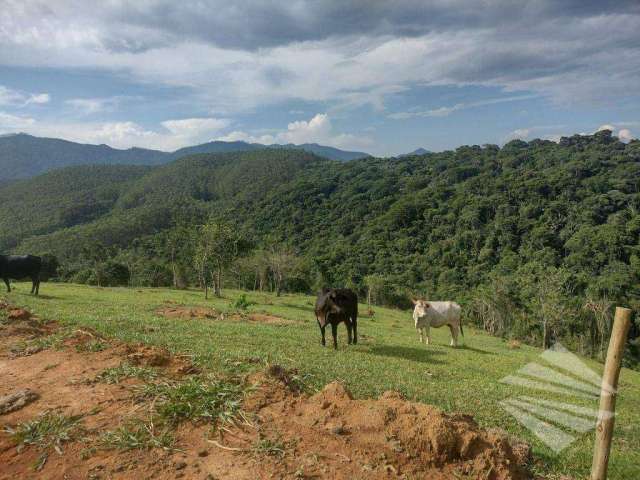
<point>417,151</point>
<point>24,156</point>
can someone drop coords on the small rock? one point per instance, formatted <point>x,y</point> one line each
<point>120,468</point>
<point>180,465</point>
<point>338,430</point>
<point>203,453</point>
<point>17,400</point>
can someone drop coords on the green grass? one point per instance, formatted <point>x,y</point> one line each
<point>46,432</point>
<point>387,357</point>
<point>136,434</point>
<point>197,399</point>
<point>126,370</point>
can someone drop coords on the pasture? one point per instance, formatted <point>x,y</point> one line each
<point>388,356</point>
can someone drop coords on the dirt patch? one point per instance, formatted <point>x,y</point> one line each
<point>284,433</point>
<point>269,319</point>
<point>18,314</point>
<point>191,313</point>
<point>187,312</point>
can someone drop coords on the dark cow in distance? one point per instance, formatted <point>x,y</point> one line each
<point>335,305</point>
<point>19,267</point>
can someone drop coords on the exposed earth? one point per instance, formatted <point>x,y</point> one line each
<point>281,433</point>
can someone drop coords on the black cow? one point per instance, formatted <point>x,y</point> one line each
<point>21,266</point>
<point>335,305</point>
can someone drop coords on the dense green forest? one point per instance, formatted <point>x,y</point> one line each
<point>538,240</point>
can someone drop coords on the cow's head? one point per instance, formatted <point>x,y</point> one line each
<point>326,305</point>
<point>420,307</point>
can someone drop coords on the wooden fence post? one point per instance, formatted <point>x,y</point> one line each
<point>608,393</point>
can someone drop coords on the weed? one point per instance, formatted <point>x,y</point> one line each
<point>126,370</point>
<point>196,399</point>
<point>138,434</point>
<point>92,346</point>
<point>273,447</point>
<point>48,431</point>
<point>241,303</point>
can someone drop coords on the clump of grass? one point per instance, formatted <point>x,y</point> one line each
<point>46,432</point>
<point>241,303</point>
<point>55,340</point>
<point>196,399</point>
<point>138,434</point>
<point>273,447</point>
<point>92,346</point>
<point>126,370</point>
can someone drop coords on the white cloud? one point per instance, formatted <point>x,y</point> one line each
<point>446,111</point>
<point>239,136</point>
<point>9,97</point>
<point>625,135</point>
<point>87,105</point>
<point>15,98</point>
<point>12,123</point>
<point>194,127</point>
<point>38,98</point>
<point>316,130</point>
<point>552,58</point>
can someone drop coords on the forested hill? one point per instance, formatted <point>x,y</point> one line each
<point>490,226</point>
<point>23,156</point>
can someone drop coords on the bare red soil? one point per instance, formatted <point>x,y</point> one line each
<point>287,435</point>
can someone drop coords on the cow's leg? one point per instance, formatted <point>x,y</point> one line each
<point>322,329</point>
<point>454,335</point>
<point>334,332</point>
<point>349,332</point>
<point>355,331</point>
<point>427,332</point>
<point>419,329</point>
<point>6,281</point>
<point>33,285</point>
<point>38,287</point>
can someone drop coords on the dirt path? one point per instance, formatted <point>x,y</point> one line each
<point>284,434</point>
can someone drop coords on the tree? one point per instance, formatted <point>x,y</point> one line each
<point>548,289</point>
<point>216,249</point>
<point>282,262</point>
<point>96,254</point>
<point>601,310</point>
<point>375,284</point>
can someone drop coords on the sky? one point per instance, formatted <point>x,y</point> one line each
<point>369,75</point>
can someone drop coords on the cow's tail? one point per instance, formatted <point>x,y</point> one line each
<point>461,330</point>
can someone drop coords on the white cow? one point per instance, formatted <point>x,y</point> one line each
<point>436,314</point>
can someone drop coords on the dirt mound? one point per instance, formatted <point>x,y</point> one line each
<point>385,438</point>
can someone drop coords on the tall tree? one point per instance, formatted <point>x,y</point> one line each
<point>216,249</point>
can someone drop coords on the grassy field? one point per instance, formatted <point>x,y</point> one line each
<point>388,356</point>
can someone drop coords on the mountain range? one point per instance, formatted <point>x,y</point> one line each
<point>24,156</point>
